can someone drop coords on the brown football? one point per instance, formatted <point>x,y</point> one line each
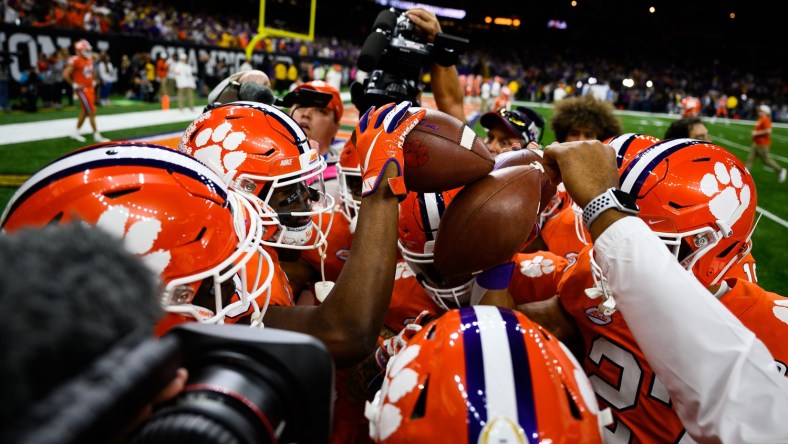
<point>488,221</point>
<point>527,156</point>
<point>442,153</point>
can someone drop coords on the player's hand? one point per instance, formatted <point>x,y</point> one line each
<point>378,140</point>
<point>393,345</point>
<point>587,168</point>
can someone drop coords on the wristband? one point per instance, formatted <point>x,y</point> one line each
<point>611,198</point>
<point>496,278</point>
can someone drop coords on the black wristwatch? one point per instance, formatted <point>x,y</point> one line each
<point>611,198</point>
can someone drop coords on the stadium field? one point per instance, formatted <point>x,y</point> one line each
<point>19,160</point>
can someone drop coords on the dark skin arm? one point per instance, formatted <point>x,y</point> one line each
<point>350,318</point>
<point>445,81</point>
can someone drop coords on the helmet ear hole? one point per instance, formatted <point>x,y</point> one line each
<point>573,408</point>
<point>421,403</point>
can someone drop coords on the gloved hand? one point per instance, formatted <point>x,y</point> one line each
<point>393,345</point>
<point>378,140</point>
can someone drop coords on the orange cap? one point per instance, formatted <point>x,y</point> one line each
<point>336,101</point>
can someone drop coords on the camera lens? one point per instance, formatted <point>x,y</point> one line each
<point>229,399</point>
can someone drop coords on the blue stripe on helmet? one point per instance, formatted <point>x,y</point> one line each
<point>664,149</point>
<point>476,401</point>
<point>109,161</point>
<point>523,383</point>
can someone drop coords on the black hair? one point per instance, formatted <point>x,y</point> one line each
<point>680,129</point>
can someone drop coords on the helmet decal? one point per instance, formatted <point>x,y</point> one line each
<point>729,203</point>
<point>138,238</point>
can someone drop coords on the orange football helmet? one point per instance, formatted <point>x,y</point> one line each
<point>698,198</point>
<point>264,155</point>
<point>169,209</point>
<point>419,217</point>
<point>82,47</point>
<point>690,106</point>
<point>350,183</point>
<point>485,374</point>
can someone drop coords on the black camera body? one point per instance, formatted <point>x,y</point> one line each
<point>395,55</point>
<point>246,385</point>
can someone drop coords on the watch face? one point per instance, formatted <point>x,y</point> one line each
<point>626,200</point>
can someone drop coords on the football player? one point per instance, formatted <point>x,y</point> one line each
<point>79,74</point>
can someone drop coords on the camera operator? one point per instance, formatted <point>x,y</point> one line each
<point>72,292</point>
<point>444,80</point>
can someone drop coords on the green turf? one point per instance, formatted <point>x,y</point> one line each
<point>770,238</point>
<point>28,157</point>
<point>117,105</point>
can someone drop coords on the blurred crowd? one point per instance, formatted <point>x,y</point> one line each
<point>642,86</point>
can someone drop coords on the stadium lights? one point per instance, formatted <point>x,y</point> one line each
<point>629,83</point>
<point>437,10</point>
<point>592,80</point>
<point>504,21</point>
<point>649,84</point>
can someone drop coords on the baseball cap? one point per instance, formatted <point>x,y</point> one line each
<point>765,109</point>
<point>521,121</point>
<point>336,101</point>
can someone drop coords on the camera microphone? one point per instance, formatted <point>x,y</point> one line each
<point>255,92</point>
<point>385,21</point>
<point>377,41</point>
<point>372,50</point>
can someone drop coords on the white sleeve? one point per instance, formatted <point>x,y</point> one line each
<point>722,379</point>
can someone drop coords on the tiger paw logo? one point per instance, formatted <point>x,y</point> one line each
<point>415,154</point>
<point>138,239</point>
<point>398,383</point>
<point>730,196</point>
<point>537,267</point>
<point>215,147</point>
<point>780,310</point>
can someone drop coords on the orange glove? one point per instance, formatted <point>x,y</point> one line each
<point>378,139</point>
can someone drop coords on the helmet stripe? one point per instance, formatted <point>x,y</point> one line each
<point>117,155</point>
<point>474,374</point>
<point>498,384</point>
<point>523,384</point>
<point>621,144</point>
<point>637,172</point>
<point>431,207</point>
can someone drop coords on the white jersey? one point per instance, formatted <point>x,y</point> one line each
<point>721,378</point>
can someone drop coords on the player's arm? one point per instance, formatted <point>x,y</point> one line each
<point>444,80</point>
<point>350,318</point>
<point>68,74</point>
<point>721,378</point>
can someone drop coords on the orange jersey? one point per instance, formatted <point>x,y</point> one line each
<point>744,270</point>
<point>281,293</point>
<point>763,123</point>
<point>83,71</point>
<point>536,276</point>
<point>339,239</point>
<point>621,376</point>
<point>561,236</point>
<point>408,299</point>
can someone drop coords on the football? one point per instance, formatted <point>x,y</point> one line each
<point>527,156</point>
<point>442,153</point>
<point>488,221</point>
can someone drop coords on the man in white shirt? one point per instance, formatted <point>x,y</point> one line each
<point>720,377</point>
